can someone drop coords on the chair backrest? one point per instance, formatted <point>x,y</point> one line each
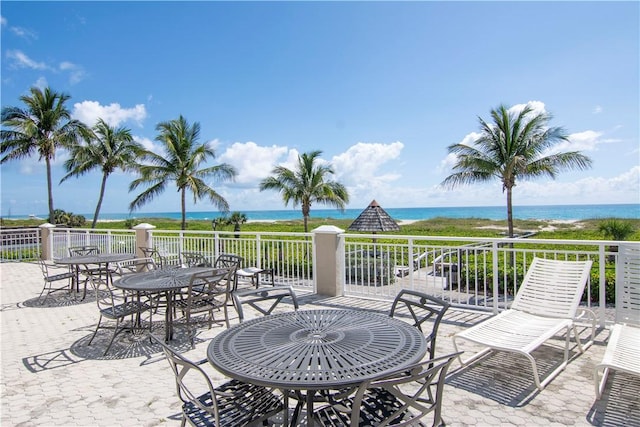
<point>135,265</point>
<point>264,300</point>
<point>83,250</point>
<point>552,288</point>
<point>188,376</point>
<point>421,307</point>
<point>160,260</point>
<point>208,285</point>
<point>194,259</point>
<point>107,298</point>
<point>418,389</point>
<point>229,260</point>
<point>628,284</point>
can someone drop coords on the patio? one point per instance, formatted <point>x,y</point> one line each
<point>50,376</point>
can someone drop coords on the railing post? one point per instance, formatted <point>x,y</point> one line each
<point>326,265</point>
<point>46,241</point>
<point>144,237</point>
<point>496,282</point>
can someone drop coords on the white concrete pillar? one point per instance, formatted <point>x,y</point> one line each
<point>144,237</point>
<point>46,241</point>
<point>327,263</point>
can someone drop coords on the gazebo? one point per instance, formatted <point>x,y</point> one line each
<point>374,219</point>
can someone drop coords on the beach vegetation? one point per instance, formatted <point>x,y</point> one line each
<point>180,163</point>
<point>513,147</point>
<point>616,229</point>
<point>42,126</point>
<point>309,183</point>
<point>109,149</point>
<point>236,219</point>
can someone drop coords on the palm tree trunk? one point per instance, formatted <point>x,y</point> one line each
<point>509,212</point>
<point>50,190</point>
<point>184,209</point>
<point>97,212</point>
<point>306,219</point>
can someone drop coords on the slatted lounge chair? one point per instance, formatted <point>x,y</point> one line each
<point>545,305</point>
<point>623,349</point>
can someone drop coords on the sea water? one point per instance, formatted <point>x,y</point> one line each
<point>551,212</point>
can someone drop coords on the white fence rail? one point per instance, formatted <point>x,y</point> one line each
<point>469,272</point>
<point>19,244</point>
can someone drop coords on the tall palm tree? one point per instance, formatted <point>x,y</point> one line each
<point>180,164</point>
<point>513,147</point>
<point>43,126</point>
<point>236,219</point>
<point>110,149</point>
<point>307,185</point>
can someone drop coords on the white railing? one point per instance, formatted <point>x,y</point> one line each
<point>108,241</point>
<point>468,272</point>
<point>19,244</point>
<point>289,255</point>
<point>478,273</point>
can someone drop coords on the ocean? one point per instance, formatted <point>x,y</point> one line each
<point>556,212</point>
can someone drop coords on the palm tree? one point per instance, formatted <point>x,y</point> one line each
<point>183,158</point>
<point>615,229</point>
<point>110,149</point>
<point>43,126</point>
<point>513,147</point>
<point>307,185</point>
<point>236,219</point>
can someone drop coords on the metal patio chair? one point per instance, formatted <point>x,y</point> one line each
<point>233,403</point>
<point>208,291</point>
<point>53,277</point>
<point>263,300</point>
<point>401,398</point>
<point>117,306</point>
<point>422,308</point>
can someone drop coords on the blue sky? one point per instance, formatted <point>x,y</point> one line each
<point>382,88</point>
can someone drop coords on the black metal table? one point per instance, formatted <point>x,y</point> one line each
<point>93,259</point>
<point>316,349</point>
<point>167,281</point>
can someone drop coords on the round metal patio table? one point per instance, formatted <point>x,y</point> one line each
<point>166,280</point>
<point>93,259</point>
<point>316,349</point>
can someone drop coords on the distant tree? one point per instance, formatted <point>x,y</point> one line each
<point>236,219</point>
<point>109,149</point>
<point>616,229</point>
<point>307,184</point>
<point>183,156</point>
<point>218,222</point>
<point>513,148</point>
<point>43,126</point>
<point>68,219</point>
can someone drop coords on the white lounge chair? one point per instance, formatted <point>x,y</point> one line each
<point>545,305</point>
<point>623,349</point>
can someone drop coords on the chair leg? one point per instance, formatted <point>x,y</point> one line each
<point>113,337</point>
<point>96,331</point>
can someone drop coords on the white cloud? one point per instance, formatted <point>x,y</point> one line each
<point>3,21</point>
<point>90,111</point>
<point>145,142</point>
<point>76,72</point>
<point>41,83</point>
<point>537,107</point>
<point>361,163</point>
<point>252,162</point>
<point>597,109</point>
<point>21,60</point>
<point>18,31</point>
